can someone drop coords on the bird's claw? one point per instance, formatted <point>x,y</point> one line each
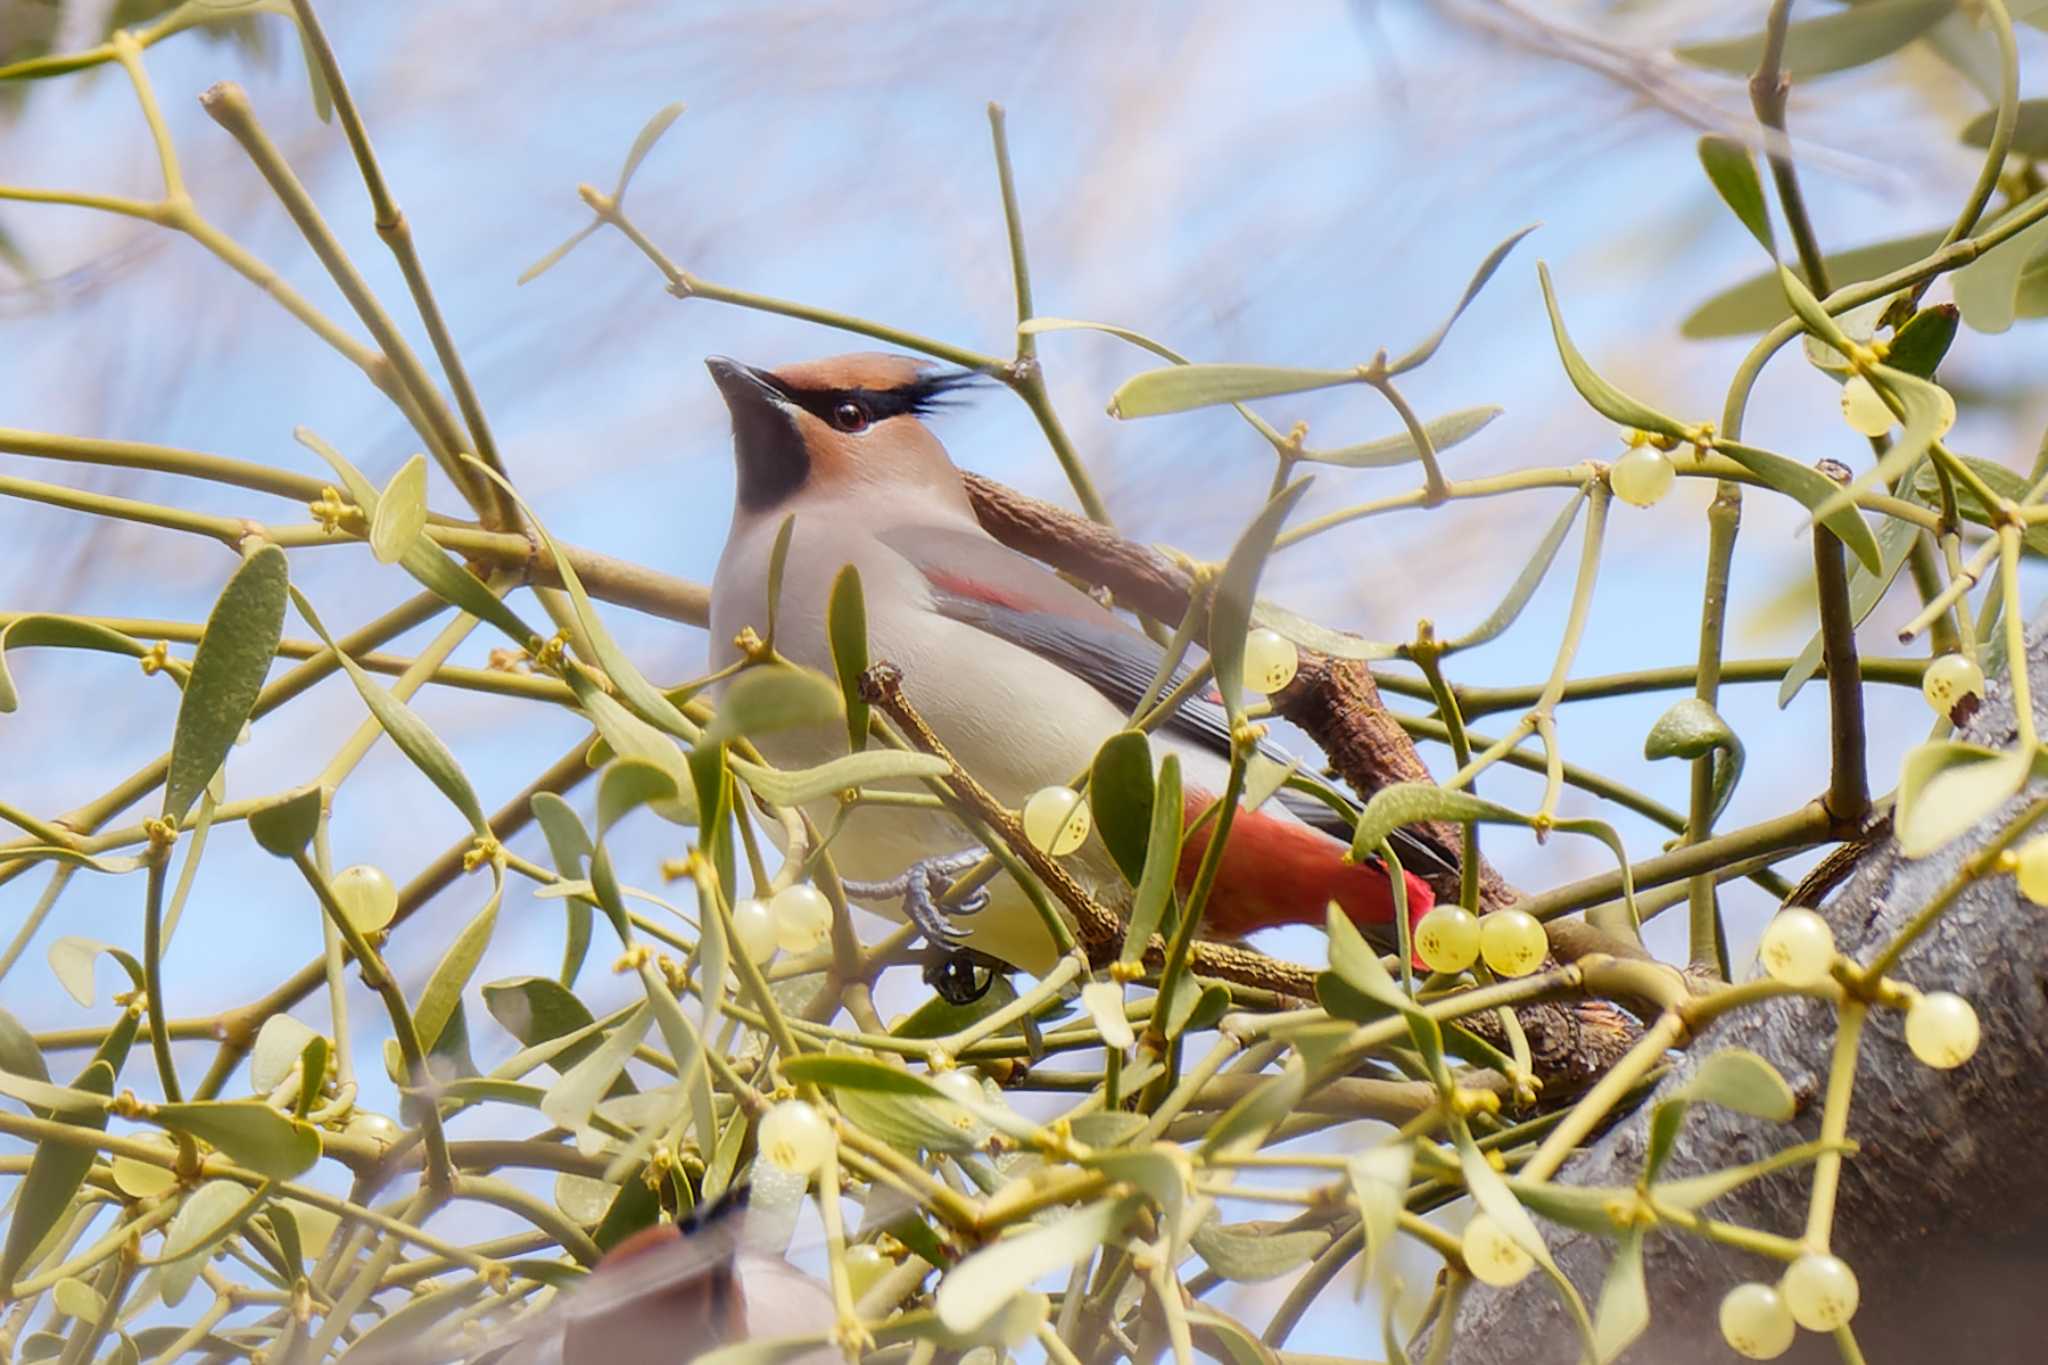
<point>920,887</point>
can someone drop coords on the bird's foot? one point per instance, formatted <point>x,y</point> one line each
<point>961,976</point>
<point>919,888</point>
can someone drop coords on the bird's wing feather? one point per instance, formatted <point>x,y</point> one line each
<point>982,583</point>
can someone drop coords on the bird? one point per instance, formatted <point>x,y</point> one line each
<point>1021,675</point>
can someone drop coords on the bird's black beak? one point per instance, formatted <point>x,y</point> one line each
<point>768,445</point>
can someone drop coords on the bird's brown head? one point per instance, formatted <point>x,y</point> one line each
<point>829,425</point>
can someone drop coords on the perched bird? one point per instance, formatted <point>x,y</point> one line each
<point>1021,675</point>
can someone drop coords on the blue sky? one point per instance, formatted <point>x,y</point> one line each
<point>1297,186</point>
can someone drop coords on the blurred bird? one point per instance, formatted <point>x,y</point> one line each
<point>668,1293</point>
<point>1021,675</point>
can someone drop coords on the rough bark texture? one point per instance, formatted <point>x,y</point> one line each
<point>1944,1211</point>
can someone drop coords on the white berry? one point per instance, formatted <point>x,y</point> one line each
<point>1820,1290</point>
<point>1270,661</point>
<point>1865,410</point>
<point>1942,1029</point>
<point>1492,1256</point>
<point>1056,820</point>
<point>803,918</point>
<point>865,1266</point>
<point>753,926</point>
<point>366,896</point>
<point>1949,679</point>
<point>794,1137</point>
<point>1447,939</point>
<point>1798,948</point>
<point>1512,942</point>
<point>1756,1322</point>
<point>1642,477</point>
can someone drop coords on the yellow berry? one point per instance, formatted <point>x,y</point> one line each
<point>1642,477</point>
<point>753,925</point>
<point>865,1266</point>
<point>1798,948</point>
<point>1447,939</point>
<point>1492,1256</point>
<point>803,918</point>
<point>794,1137</point>
<point>366,896</point>
<point>1270,661</point>
<point>1056,820</point>
<point>378,1128</point>
<point>140,1179</point>
<point>1755,1321</point>
<point>1512,942</point>
<point>1820,1290</point>
<point>2033,869</point>
<point>1942,1030</point>
<point>1949,679</point>
<point>1864,409</point>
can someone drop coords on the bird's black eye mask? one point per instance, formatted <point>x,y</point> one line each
<point>929,392</point>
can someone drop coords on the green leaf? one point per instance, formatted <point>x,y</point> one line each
<point>1230,610</point>
<point>401,512</point>
<point>1355,962</point>
<point>284,824</point>
<point>80,1300</point>
<point>649,134</point>
<point>867,768</point>
<point>1919,347</point>
<point>312,1075</point>
<point>228,669</point>
<point>1829,502</point>
<point>1414,803</point>
<point>1693,729</point>
<point>2004,482</point>
<point>846,627</point>
<point>1161,1170</point>
<point>71,959</point>
<point>1602,396</point>
<point>773,697</point>
<point>940,1018</point>
<point>1179,388</point>
<point>426,561</point>
<point>1498,1201</point>
<point>1834,42</point>
<point>1526,582</point>
<point>1732,170</point>
<point>593,1071</point>
<point>1759,301</point>
<point>1245,1125</point>
<point>1624,1310</point>
<point>1308,634</point>
<point>206,1217</point>
<point>407,730</point>
<point>442,995</point>
<point>1738,1079</point>
<point>408,1331</point>
<point>1947,786</point>
<point>251,1133</point>
<point>54,1173</point>
<point>778,562</point>
<point>1379,1182</point>
<point>686,1049</point>
<point>1162,862</point>
<point>46,1096</point>
<point>910,1123</point>
<point>280,1043</point>
<point>628,784</point>
<point>980,1285</point>
<point>537,1010</point>
<point>1253,1252</point>
<point>1120,789</point>
<point>1427,347</point>
<point>628,736</point>
<point>60,632</point>
<point>1400,449</point>
<point>1191,1011</point>
<point>1987,289</point>
<point>18,1051</point>
<point>2029,134</point>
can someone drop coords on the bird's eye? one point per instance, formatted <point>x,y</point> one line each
<point>850,416</point>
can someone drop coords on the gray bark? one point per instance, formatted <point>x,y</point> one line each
<point>1944,1211</point>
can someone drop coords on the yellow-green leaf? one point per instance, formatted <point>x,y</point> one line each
<point>251,1133</point>
<point>1836,41</point>
<point>1603,397</point>
<point>54,1173</point>
<point>1179,388</point>
<point>1947,786</point>
<point>980,1285</point>
<point>60,632</point>
<point>1399,449</point>
<point>401,512</point>
<point>867,768</point>
<point>1732,170</point>
<point>228,670</point>
<point>208,1214</point>
<point>1230,612</point>
<point>443,991</point>
<point>284,824</point>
